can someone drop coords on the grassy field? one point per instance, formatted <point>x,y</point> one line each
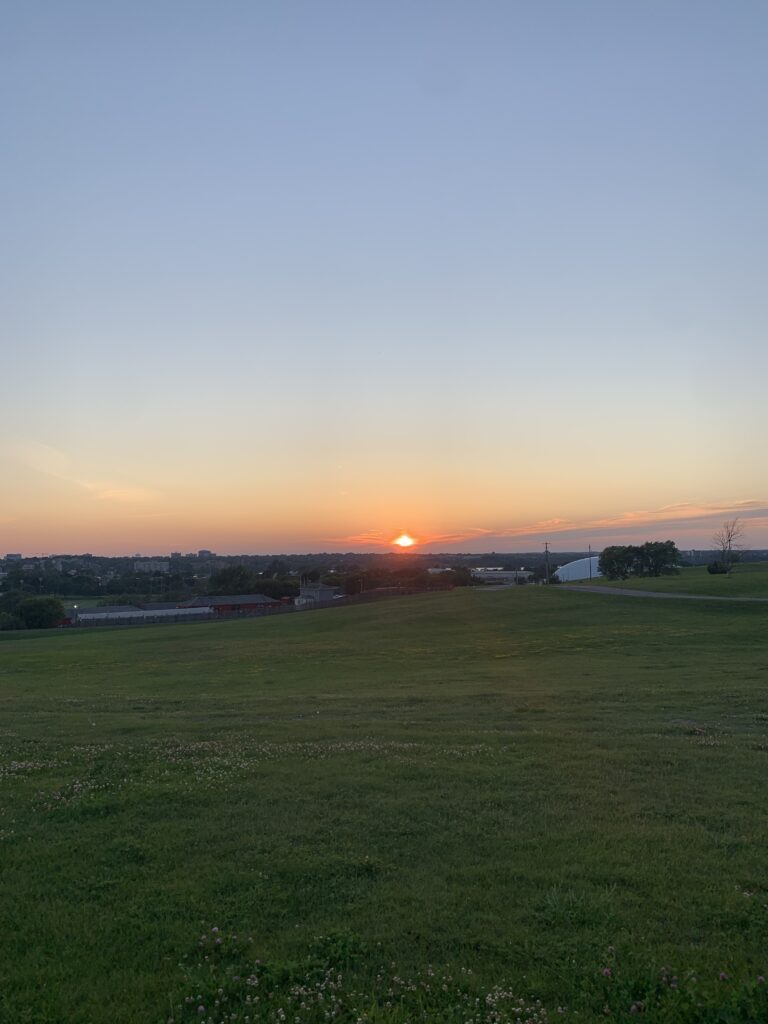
<point>529,804</point>
<point>748,580</point>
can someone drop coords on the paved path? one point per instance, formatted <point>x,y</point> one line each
<point>657,593</point>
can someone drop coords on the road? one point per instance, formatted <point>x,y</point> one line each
<point>621,592</point>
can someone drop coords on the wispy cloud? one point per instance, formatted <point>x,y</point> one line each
<point>680,515</point>
<point>368,537</point>
<point>43,458</point>
<point>52,462</point>
<point>685,513</point>
<point>111,492</point>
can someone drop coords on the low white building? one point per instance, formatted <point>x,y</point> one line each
<point>581,569</point>
<point>500,576</point>
<point>125,615</point>
<point>314,594</point>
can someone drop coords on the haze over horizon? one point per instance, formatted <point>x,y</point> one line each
<point>296,277</point>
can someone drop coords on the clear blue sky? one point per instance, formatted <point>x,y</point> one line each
<point>303,275</point>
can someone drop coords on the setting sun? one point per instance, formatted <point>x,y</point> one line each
<point>404,541</point>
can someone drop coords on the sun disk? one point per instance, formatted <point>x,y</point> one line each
<point>404,541</point>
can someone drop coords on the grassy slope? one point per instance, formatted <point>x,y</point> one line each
<point>504,781</point>
<point>748,580</point>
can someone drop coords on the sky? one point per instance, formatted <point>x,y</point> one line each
<point>299,276</point>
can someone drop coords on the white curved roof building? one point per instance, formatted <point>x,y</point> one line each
<point>573,572</point>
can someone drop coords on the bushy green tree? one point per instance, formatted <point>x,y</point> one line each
<point>276,588</point>
<point>655,558</point>
<point>40,612</point>
<point>462,576</point>
<point>235,579</point>
<point>661,557</point>
<point>615,562</point>
<point>124,599</point>
<point>277,567</point>
<point>9,601</point>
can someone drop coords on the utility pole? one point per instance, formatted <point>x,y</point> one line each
<point>546,559</point>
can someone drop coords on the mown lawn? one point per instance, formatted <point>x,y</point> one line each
<point>421,810</point>
<point>747,580</point>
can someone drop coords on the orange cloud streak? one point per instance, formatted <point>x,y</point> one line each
<point>668,515</point>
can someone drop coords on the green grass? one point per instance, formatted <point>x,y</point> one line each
<point>82,602</point>
<point>747,580</point>
<point>504,783</point>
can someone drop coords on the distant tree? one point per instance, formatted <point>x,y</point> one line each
<point>615,562</point>
<point>235,579</point>
<point>717,569</point>
<point>661,558</point>
<point>729,540</point>
<point>440,580</point>
<point>354,583</point>
<point>636,559</point>
<point>9,621</point>
<point>9,601</point>
<point>655,558</point>
<point>462,577</point>
<point>125,583</point>
<point>40,612</point>
<point>276,588</point>
<point>130,598</point>
<point>412,576</point>
<point>14,580</point>
<point>87,586</point>
<point>277,567</point>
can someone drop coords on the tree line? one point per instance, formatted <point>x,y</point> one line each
<point>18,611</point>
<point>412,576</point>
<point>655,558</point>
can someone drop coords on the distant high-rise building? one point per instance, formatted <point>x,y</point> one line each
<point>204,553</point>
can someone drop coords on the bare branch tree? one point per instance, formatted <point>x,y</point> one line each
<point>728,540</point>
